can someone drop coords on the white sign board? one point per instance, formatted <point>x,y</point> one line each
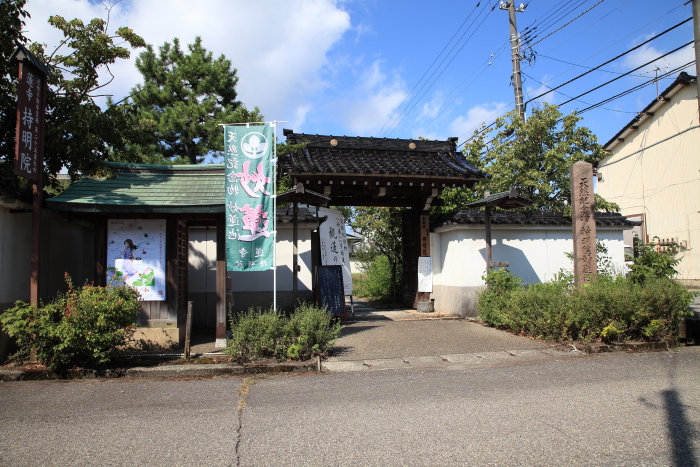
<point>136,255</point>
<point>425,274</point>
<point>334,244</point>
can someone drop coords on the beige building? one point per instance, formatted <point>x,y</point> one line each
<point>653,173</point>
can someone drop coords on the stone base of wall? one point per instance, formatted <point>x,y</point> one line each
<point>152,338</point>
<point>690,283</point>
<point>456,300</point>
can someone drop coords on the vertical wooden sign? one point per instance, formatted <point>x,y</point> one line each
<point>29,145</point>
<point>29,133</point>
<point>424,235</point>
<point>583,222</point>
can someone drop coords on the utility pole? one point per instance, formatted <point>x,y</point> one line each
<point>515,53</point>
<point>696,36</point>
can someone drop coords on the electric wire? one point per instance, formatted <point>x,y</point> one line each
<point>431,65</point>
<point>623,75</point>
<point>618,56</point>
<point>443,70</point>
<point>635,88</point>
<point>389,122</point>
<point>565,25</point>
<point>566,95</point>
<point>490,60</point>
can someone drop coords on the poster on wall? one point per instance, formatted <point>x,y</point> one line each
<point>136,255</point>
<point>334,244</point>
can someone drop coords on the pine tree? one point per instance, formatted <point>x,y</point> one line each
<point>182,101</point>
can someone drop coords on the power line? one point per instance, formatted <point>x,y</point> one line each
<point>405,114</point>
<point>583,66</point>
<point>635,88</point>
<point>615,58</point>
<point>431,65</point>
<point>435,70</point>
<point>495,55</point>
<point>566,95</point>
<point>565,25</point>
<point>615,79</point>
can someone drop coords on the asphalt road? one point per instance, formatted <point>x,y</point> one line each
<point>603,410</point>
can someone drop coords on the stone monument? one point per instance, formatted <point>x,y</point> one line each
<point>583,222</point>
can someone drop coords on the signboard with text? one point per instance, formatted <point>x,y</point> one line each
<point>250,216</point>
<point>29,137</point>
<point>334,244</point>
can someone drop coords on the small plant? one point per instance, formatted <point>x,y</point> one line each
<point>650,263</point>
<point>258,334</point>
<point>82,327</point>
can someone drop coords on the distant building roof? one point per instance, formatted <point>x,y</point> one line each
<point>683,79</point>
<point>465,216</point>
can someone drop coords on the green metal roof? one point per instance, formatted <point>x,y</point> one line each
<point>172,189</point>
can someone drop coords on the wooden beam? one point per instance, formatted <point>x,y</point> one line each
<point>220,282</point>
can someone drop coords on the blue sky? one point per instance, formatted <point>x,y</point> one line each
<point>345,67</point>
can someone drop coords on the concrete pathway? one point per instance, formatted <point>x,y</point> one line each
<point>381,339</point>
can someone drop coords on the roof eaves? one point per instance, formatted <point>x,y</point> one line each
<point>682,80</point>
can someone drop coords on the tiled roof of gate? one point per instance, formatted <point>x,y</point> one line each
<point>464,216</point>
<point>369,156</point>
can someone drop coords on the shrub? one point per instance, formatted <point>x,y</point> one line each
<point>257,334</point>
<point>376,282</point>
<point>609,309</point>
<point>650,264</point>
<point>82,327</point>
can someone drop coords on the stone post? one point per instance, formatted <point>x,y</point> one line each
<point>583,222</point>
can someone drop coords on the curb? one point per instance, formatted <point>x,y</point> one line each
<point>163,371</point>
<point>626,347</point>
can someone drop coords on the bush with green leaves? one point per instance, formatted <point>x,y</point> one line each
<point>258,333</point>
<point>608,309</point>
<point>376,280</point>
<point>650,263</point>
<point>83,327</point>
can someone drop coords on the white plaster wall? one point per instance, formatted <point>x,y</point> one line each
<point>262,281</point>
<point>535,254</point>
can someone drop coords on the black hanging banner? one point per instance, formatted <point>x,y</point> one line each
<point>329,289</point>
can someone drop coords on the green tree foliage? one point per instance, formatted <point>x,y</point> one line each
<point>382,230</point>
<point>182,101</point>
<point>79,134</point>
<point>532,156</point>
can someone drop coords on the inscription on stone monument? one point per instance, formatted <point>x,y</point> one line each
<point>583,222</point>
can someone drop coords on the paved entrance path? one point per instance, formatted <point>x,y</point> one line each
<point>433,343</point>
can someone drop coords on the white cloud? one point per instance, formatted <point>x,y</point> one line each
<point>648,53</point>
<point>279,47</point>
<point>464,125</point>
<point>374,99</point>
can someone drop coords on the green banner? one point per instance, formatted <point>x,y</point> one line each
<point>250,216</point>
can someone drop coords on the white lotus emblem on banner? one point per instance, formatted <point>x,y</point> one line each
<point>254,145</point>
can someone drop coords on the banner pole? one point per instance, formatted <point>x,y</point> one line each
<point>274,213</point>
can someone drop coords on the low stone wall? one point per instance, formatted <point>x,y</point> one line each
<point>459,301</point>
